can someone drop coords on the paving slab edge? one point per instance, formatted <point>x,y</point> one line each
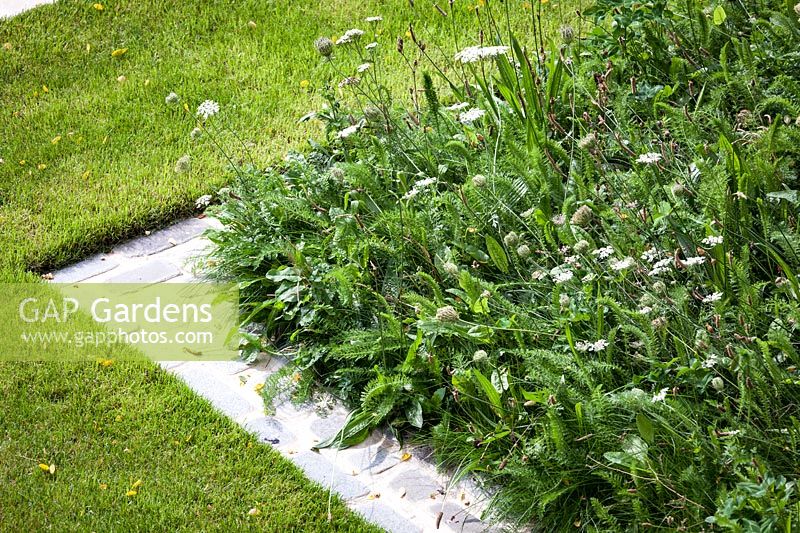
<point>397,489</point>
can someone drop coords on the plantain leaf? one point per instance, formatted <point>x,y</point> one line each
<point>497,254</point>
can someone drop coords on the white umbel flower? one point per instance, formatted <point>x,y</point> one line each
<point>207,109</point>
<point>373,19</point>
<point>713,297</point>
<point>203,201</point>
<point>371,46</point>
<point>712,241</point>
<point>350,36</point>
<point>473,54</point>
<point>471,115</point>
<point>621,264</point>
<point>650,158</point>
<point>363,67</point>
<point>561,275</point>
<point>660,396</point>
<point>457,107</point>
<point>692,261</point>
<point>604,252</point>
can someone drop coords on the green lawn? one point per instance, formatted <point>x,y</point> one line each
<point>90,160</point>
<point>88,151</point>
<point>107,427</point>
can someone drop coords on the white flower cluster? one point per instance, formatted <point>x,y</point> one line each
<point>604,252</point>
<point>621,264</point>
<point>660,396</point>
<point>561,274</point>
<point>650,255</point>
<point>350,130</point>
<point>713,297</point>
<point>473,54</point>
<point>692,261</point>
<point>660,267</point>
<point>350,36</point>
<point>712,241</point>
<point>208,108</point>
<point>650,158</point>
<point>597,346</point>
<point>457,107</point>
<point>471,115</point>
<point>203,201</point>
<point>363,67</point>
<point>373,19</point>
<point>418,187</point>
<point>371,46</point>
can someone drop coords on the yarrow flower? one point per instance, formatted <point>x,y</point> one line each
<point>350,130</point>
<point>660,396</point>
<point>350,36</point>
<point>604,252</point>
<point>561,275</point>
<point>711,361</point>
<point>597,346</point>
<point>348,81</point>
<point>363,67</point>
<point>660,267</point>
<point>371,46</point>
<point>621,264</point>
<point>457,107</point>
<point>649,158</point>
<point>208,108</point>
<point>473,54</point>
<point>373,19</point>
<point>203,201</point>
<point>650,255</point>
<point>471,115</point>
<point>713,297</point>
<point>418,187</point>
<point>712,241</point>
<point>692,261</point>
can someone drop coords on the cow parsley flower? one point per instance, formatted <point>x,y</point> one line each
<point>207,109</point>
<point>692,261</point>
<point>621,264</point>
<point>350,36</point>
<point>471,115</point>
<point>713,297</point>
<point>604,252</point>
<point>457,107</point>
<point>350,130</point>
<point>660,267</point>
<point>712,241</point>
<point>473,54</point>
<point>711,361</point>
<point>650,158</point>
<point>660,396</point>
<point>597,346</point>
<point>561,275</point>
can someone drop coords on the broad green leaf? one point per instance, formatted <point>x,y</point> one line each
<point>414,414</point>
<point>497,254</point>
<point>719,15</point>
<point>645,427</point>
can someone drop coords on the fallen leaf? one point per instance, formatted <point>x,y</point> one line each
<point>103,486</point>
<point>252,25</point>
<point>44,466</point>
<point>55,139</point>
<point>131,493</point>
<point>405,457</point>
<point>259,387</point>
<point>119,52</point>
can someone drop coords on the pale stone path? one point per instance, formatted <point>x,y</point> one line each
<point>373,478</point>
<point>9,8</point>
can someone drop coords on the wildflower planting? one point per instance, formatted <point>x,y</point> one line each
<point>569,262</point>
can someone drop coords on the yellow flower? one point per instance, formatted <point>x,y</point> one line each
<point>119,52</point>
<point>304,84</point>
<point>41,166</point>
<point>98,7</point>
<point>55,139</point>
<point>22,162</point>
<point>259,387</point>
<point>408,34</point>
<point>45,89</point>
<point>105,362</point>
<point>405,457</point>
<point>103,486</point>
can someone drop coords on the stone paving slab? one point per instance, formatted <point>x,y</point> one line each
<point>398,489</point>
<point>89,268</point>
<point>9,8</point>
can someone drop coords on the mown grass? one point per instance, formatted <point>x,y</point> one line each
<point>105,428</point>
<point>90,159</point>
